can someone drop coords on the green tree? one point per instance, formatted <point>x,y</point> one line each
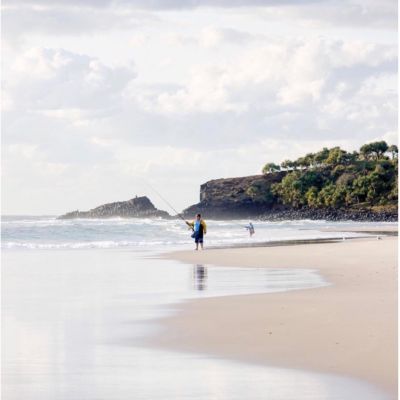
<point>312,197</point>
<point>325,196</point>
<point>338,198</point>
<point>338,171</point>
<point>337,179</point>
<point>303,162</point>
<point>350,197</point>
<point>393,194</point>
<point>260,193</point>
<point>310,159</point>
<point>289,189</point>
<point>337,156</point>
<point>270,167</point>
<point>393,149</point>
<point>287,164</point>
<point>345,179</point>
<point>311,178</point>
<point>374,150</point>
<point>360,188</point>
<point>321,157</point>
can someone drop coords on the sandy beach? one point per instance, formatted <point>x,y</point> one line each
<point>347,328</point>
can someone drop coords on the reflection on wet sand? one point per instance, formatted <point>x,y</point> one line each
<point>75,322</point>
<point>200,277</point>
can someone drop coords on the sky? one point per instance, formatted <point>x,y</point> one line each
<point>103,100</point>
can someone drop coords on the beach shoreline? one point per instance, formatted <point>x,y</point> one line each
<point>347,328</point>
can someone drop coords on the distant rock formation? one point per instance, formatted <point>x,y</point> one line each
<point>138,207</point>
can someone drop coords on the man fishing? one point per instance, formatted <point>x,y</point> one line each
<point>198,226</point>
<point>199,230</point>
<point>250,228</point>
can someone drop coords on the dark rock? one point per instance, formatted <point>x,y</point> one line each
<point>330,214</point>
<point>139,207</point>
<point>232,198</point>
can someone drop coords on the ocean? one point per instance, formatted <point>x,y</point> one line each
<point>47,232</point>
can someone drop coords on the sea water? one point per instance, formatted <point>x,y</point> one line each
<point>47,232</point>
<point>74,313</point>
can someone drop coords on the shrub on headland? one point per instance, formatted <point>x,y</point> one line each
<point>336,178</point>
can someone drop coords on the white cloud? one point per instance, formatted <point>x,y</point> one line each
<point>391,137</point>
<point>138,40</point>
<point>349,13</point>
<point>76,17</point>
<point>21,20</point>
<point>211,36</point>
<point>55,79</point>
<point>157,4</point>
<point>319,74</point>
<point>297,88</point>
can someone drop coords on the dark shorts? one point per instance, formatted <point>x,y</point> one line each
<point>198,238</point>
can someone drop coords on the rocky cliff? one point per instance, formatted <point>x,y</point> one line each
<point>138,207</point>
<point>236,197</point>
<point>251,197</point>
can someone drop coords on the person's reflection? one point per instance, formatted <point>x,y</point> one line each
<point>200,277</point>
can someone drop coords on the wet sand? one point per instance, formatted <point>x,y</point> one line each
<point>348,328</point>
<point>381,228</point>
<point>389,230</point>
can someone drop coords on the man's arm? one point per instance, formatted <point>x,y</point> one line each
<point>190,224</point>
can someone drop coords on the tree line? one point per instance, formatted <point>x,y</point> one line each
<point>334,178</point>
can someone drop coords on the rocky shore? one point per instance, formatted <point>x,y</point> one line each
<point>331,215</point>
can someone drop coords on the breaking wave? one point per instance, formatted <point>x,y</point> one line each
<point>46,232</point>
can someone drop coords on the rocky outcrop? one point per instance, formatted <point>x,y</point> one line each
<point>138,207</point>
<point>250,197</point>
<point>236,197</point>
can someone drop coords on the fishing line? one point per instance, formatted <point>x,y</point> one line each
<point>167,203</point>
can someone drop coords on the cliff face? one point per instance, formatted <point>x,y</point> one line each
<point>236,197</point>
<point>138,207</point>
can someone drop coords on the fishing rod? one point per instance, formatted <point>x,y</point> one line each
<point>177,213</point>
<point>168,204</point>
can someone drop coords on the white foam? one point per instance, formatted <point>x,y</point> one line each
<point>49,233</point>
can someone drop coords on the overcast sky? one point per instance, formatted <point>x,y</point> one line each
<point>101,98</point>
